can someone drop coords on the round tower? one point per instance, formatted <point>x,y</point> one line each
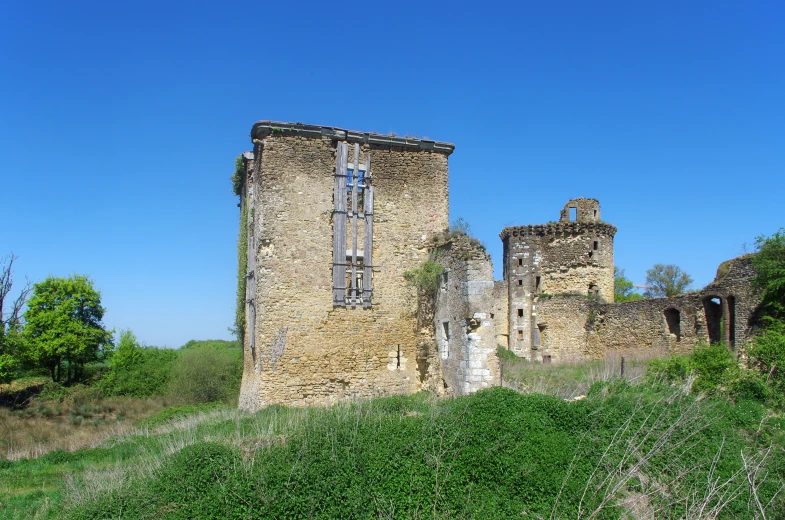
<point>571,256</point>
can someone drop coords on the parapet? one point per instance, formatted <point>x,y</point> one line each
<point>262,129</point>
<point>559,229</point>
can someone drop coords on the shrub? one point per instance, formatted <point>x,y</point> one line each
<point>137,371</point>
<point>205,375</point>
<point>768,352</point>
<point>711,364</point>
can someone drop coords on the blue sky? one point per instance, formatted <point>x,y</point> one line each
<point>120,122</point>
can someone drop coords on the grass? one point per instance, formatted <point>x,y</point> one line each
<point>596,446</point>
<point>568,380</point>
<point>626,450</point>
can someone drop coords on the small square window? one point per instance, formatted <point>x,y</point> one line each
<point>520,334</point>
<point>520,313</point>
<point>520,282</point>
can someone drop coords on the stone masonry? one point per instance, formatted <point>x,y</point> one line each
<point>300,348</point>
<point>336,217</point>
<point>566,257</point>
<point>465,317</point>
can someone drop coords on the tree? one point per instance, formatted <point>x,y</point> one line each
<point>666,281</point>
<point>63,327</point>
<point>769,262</point>
<point>137,371</point>
<point>623,289</point>
<point>10,320</point>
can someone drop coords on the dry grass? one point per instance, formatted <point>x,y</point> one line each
<point>69,425</point>
<point>569,380</point>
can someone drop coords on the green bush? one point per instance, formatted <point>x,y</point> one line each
<point>137,371</point>
<point>670,369</point>
<point>713,364</point>
<point>768,352</point>
<point>205,375</point>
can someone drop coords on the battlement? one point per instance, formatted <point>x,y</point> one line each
<point>559,229</point>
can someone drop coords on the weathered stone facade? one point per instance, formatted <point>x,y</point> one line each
<point>565,257</point>
<point>577,328</point>
<point>336,217</point>
<point>300,348</point>
<point>464,317</point>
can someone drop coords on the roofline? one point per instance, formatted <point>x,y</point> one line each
<point>262,129</point>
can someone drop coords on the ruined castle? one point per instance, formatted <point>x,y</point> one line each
<point>334,218</point>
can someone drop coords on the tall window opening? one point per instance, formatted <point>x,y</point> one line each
<point>673,320</point>
<point>712,307</point>
<point>352,229</point>
<point>537,280</point>
<point>573,214</point>
<point>445,339</point>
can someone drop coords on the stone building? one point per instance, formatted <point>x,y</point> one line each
<point>571,256</point>
<point>559,281</point>
<point>334,218</point>
<point>465,317</point>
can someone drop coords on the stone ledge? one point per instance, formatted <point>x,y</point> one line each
<point>262,129</point>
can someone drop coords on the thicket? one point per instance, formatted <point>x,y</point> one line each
<point>200,372</point>
<point>625,450</point>
<point>137,371</point>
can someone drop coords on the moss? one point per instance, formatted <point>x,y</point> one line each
<point>242,269</point>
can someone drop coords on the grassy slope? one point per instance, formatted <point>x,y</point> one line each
<point>496,454</point>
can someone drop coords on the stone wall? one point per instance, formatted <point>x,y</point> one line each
<point>574,328</point>
<point>585,210</point>
<point>464,317</point>
<point>305,350</point>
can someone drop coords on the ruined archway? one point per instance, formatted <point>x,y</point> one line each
<point>712,307</point>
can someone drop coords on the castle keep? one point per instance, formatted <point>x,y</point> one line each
<point>333,220</point>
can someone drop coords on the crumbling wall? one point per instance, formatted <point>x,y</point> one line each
<point>466,331</point>
<point>575,328</point>
<point>305,349</point>
<point>581,210</point>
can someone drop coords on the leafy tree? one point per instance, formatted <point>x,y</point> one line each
<point>769,263</point>
<point>623,289</point>
<point>10,320</point>
<point>666,281</point>
<point>63,327</point>
<point>137,371</point>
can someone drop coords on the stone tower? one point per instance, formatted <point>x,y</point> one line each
<point>335,217</point>
<point>571,256</point>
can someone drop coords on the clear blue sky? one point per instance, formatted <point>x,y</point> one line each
<point>120,122</point>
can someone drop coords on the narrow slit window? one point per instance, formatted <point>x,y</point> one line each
<point>537,284</point>
<point>596,245</point>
